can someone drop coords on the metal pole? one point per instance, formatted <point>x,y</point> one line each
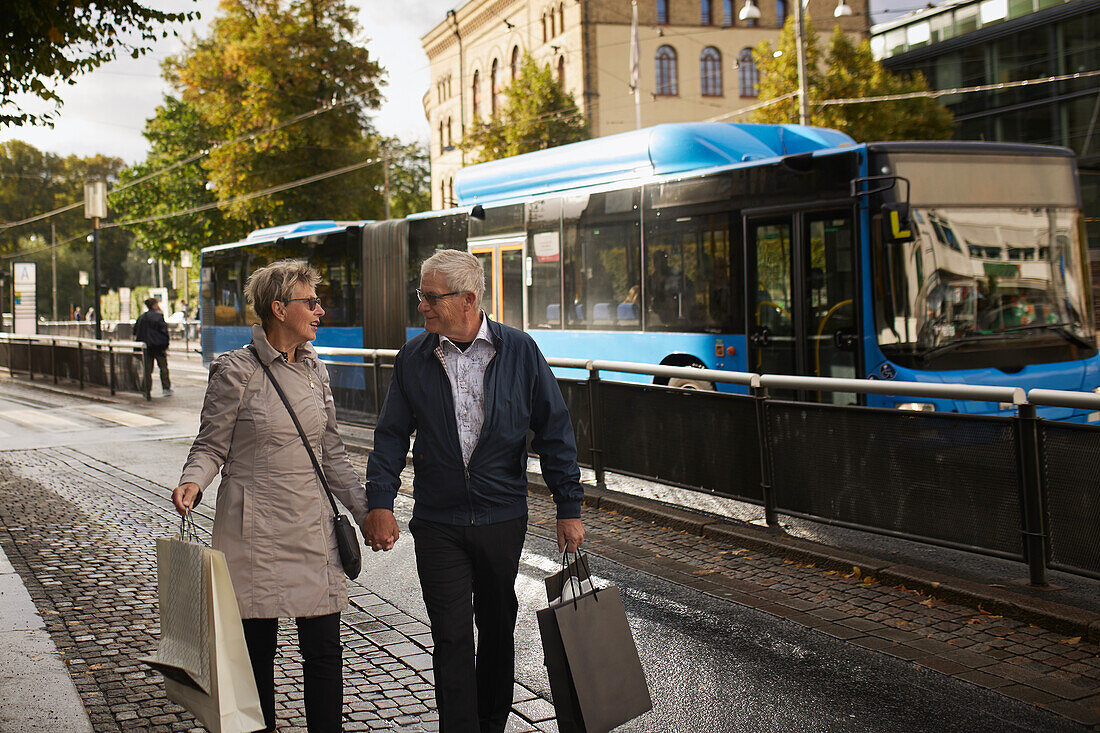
<point>1031,478</point>
<point>53,358</point>
<point>386,184</point>
<point>800,42</point>
<point>80,363</point>
<point>760,396</point>
<point>95,283</point>
<point>53,269</point>
<point>594,427</point>
<point>111,367</point>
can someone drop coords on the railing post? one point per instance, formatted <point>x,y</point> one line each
<point>53,359</point>
<point>30,359</point>
<point>594,427</point>
<point>376,382</point>
<point>760,397</point>
<point>111,367</point>
<point>80,362</point>
<point>1031,485</point>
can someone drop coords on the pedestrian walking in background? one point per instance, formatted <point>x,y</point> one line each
<point>470,388</point>
<point>273,519</point>
<point>78,315</point>
<point>152,331</point>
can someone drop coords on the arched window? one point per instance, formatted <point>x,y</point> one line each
<point>494,87</point>
<point>544,36</point>
<point>662,12</point>
<point>561,71</point>
<point>666,71</point>
<point>515,63</point>
<point>747,74</point>
<point>561,17</point>
<point>443,194</point>
<point>706,17</point>
<point>710,71</point>
<point>553,23</point>
<point>727,13</point>
<point>442,140</point>
<point>451,190</point>
<point>781,12</point>
<point>450,134</point>
<point>476,92</point>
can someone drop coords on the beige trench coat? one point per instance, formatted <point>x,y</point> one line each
<point>272,518</point>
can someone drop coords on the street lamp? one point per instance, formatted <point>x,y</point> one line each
<point>95,208</point>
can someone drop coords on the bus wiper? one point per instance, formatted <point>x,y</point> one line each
<point>1062,328</point>
<point>951,346</point>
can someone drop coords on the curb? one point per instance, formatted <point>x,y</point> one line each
<point>1059,617</point>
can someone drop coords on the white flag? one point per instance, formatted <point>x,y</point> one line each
<point>635,52</point>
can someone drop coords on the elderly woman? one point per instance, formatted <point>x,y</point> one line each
<point>272,519</point>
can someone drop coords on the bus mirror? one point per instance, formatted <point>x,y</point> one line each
<point>896,225</point>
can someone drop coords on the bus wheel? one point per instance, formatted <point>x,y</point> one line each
<point>699,384</point>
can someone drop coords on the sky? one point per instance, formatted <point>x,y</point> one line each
<point>106,110</point>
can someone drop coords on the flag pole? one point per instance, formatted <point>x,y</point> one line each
<point>635,61</point>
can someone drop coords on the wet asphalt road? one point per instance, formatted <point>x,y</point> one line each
<point>712,665</point>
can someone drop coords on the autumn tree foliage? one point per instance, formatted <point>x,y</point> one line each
<point>847,70</point>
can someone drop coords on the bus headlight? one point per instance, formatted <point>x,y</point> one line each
<point>916,406</point>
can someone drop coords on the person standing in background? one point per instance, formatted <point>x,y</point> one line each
<point>152,331</point>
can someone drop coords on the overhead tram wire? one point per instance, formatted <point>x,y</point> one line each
<point>248,196</point>
<point>196,156</point>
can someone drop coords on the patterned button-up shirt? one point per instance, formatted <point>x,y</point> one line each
<point>466,373</point>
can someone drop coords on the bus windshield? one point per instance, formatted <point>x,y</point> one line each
<point>984,287</point>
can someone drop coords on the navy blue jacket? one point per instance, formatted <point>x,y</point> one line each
<point>520,394</point>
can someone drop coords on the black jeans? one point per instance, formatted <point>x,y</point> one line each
<point>322,667</point>
<point>161,358</point>
<point>468,576</point>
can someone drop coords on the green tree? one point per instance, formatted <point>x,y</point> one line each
<point>410,176</point>
<point>848,71</point>
<point>32,183</point>
<point>538,114</point>
<point>176,135</point>
<point>46,43</point>
<point>267,62</point>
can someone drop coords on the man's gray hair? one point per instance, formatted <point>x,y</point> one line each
<point>276,282</point>
<point>461,270</point>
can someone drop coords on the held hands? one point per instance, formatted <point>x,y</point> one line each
<point>570,535</point>
<point>380,530</point>
<point>183,496</point>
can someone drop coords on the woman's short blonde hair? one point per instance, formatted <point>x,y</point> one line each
<point>276,282</point>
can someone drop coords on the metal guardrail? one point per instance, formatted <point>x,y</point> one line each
<point>117,365</point>
<point>1024,441</point>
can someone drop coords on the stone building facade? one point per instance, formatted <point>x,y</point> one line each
<point>695,62</point>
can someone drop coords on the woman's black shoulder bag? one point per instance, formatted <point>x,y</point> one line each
<point>346,540</point>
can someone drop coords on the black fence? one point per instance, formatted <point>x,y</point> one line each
<point>114,365</point>
<point>1011,487</point>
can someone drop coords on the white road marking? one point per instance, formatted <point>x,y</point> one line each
<point>41,419</point>
<point>121,417</point>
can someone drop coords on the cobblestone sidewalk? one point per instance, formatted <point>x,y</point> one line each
<point>79,533</point>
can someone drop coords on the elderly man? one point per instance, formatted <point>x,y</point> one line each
<point>470,388</point>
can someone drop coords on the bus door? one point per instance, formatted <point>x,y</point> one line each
<point>802,297</point>
<point>502,260</point>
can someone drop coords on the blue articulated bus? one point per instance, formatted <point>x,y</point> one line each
<point>763,248</point>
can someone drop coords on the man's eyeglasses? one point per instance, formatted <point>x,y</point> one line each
<point>432,298</point>
<point>311,303</point>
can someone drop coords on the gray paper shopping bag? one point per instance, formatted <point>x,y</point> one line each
<point>596,677</point>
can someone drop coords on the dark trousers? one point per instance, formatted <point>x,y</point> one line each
<point>162,364</point>
<point>468,576</point>
<point>319,642</point>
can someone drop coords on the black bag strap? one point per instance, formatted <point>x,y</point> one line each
<point>301,433</point>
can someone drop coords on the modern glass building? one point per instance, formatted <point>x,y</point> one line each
<point>981,42</point>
